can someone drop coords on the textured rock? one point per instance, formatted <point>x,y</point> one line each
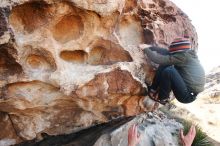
<point>70,65</point>
<point>155,129</point>
<point>8,134</point>
<point>4,33</point>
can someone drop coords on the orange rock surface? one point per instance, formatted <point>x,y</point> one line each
<point>65,66</point>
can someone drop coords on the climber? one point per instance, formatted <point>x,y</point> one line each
<point>186,140</point>
<point>179,71</point>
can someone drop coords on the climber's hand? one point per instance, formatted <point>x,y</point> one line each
<point>144,46</point>
<point>133,136</point>
<point>187,140</point>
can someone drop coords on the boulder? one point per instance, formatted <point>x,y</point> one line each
<point>68,65</point>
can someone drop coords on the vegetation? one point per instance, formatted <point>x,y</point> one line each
<point>201,138</point>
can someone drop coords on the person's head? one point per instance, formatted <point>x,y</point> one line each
<point>179,45</point>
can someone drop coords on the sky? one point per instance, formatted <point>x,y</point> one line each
<point>204,15</point>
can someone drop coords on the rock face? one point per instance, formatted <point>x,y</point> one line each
<point>69,65</point>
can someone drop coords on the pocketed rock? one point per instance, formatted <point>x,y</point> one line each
<point>68,65</point>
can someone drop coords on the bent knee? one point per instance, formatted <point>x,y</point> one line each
<point>168,71</point>
<point>186,99</point>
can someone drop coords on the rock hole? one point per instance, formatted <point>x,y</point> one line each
<point>37,62</point>
<point>170,9</point>
<point>30,16</point>
<point>77,56</point>
<point>105,52</point>
<point>152,6</point>
<point>168,18</point>
<point>38,59</point>
<point>37,92</point>
<point>148,36</point>
<point>34,60</point>
<point>68,28</point>
<point>162,3</point>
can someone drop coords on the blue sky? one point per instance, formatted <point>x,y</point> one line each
<point>205,17</point>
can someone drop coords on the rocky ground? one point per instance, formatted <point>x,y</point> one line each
<point>155,129</point>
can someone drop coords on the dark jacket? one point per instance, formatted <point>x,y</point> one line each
<point>186,63</point>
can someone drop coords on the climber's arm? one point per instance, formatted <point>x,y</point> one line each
<point>164,59</point>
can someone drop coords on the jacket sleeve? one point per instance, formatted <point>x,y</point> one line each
<point>159,50</point>
<point>175,59</point>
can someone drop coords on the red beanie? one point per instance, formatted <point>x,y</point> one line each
<point>179,45</point>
